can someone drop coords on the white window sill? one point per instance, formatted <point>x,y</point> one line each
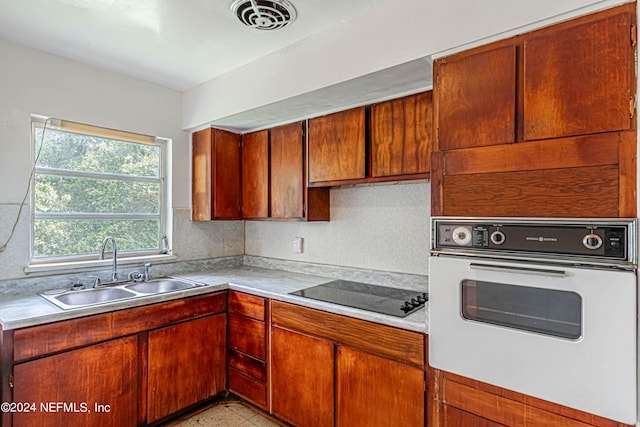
<point>79,266</point>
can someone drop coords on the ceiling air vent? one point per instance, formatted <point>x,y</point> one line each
<point>264,14</point>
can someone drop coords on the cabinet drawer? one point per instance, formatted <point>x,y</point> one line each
<point>248,365</point>
<point>67,334</point>
<point>247,305</point>
<point>248,388</point>
<point>247,335</point>
<point>398,344</point>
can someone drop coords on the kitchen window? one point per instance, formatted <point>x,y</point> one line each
<point>90,183</point>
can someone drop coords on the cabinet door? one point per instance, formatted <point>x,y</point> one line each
<point>577,79</point>
<point>186,365</point>
<point>226,173</point>
<point>215,177</point>
<point>97,384</point>
<point>201,190</point>
<point>337,146</point>
<point>401,133</point>
<point>475,98</point>
<point>287,171</point>
<point>302,379</point>
<point>255,175</point>
<point>374,391</point>
<point>247,335</point>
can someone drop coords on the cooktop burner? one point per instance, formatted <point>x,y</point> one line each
<point>381,299</point>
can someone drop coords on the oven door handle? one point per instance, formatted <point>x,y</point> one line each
<point>518,270</point>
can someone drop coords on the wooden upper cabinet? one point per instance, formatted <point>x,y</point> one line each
<point>337,146</point>
<point>577,78</point>
<point>216,176</point>
<point>475,98</point>
<point>287,171</point>
<point>201,192</point>
<point>401,135</point>
<point>255,175</point>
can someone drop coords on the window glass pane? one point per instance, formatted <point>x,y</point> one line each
<point>69,237</point>
<point>88,187</point>
<point>66,150</point>
<point>56,193</point>
<point>547,311</point>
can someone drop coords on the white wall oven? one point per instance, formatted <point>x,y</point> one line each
<point>544,307</point>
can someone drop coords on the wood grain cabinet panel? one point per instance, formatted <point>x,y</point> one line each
<point>577,79</point>
<point>302,379</point>
<point>248,343</point>
<point>248,366</point>
<point>216,175</point>
<point>464,402</point>
<point>337,146</point>
<point>248,388</point>
<point>398,344</point>
<point>288,181</point>
<point>247,305</point>
<point>374,391</point>
<point>401,136</point>
<point>561,193</point>
<point>574,152</point>
<point>104,374</point>
<point>475,98</point>
<point>178,379</point>
<point>248,336</point>
<point>255,175</point>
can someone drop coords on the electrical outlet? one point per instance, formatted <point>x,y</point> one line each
<point>297,245</point>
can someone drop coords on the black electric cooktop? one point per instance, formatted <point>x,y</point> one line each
<point>380,299</point>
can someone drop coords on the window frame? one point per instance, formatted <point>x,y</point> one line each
<point>164,210</point>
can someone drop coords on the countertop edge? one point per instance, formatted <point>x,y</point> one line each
<point>33,310</point>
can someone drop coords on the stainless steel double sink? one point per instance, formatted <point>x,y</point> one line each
<point>70,299</point>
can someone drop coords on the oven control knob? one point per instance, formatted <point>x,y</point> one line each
<point>461,236</point>
<point>592,241</point>
<point>498,237</point>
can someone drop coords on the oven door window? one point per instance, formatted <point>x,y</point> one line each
<point>546,311</point>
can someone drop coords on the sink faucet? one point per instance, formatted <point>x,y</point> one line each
<point>114,269</point>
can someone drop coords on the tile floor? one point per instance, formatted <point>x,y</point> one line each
<point>225,414</point>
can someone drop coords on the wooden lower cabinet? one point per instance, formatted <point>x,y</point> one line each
<point>374,391</point>
<point>187,364</point>
<point>302,384</point>
<point>462,402</point>
<point>248,343</point>
<point>328,369</point>
<point>90,386</point>
<point>127,367</point>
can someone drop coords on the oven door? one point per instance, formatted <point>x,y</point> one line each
<point>567,335</point>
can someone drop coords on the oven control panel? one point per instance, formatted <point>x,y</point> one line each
<point>606,239</point>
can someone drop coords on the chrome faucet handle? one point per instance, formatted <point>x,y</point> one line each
<point>96,281</point>
<point>135,276</point>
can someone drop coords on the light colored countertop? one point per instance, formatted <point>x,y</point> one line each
<point>31,310</point>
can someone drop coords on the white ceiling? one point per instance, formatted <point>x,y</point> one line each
<point>175,43</point>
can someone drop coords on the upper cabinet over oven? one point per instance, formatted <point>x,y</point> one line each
<point>475,98</point>
<point>541,124</point>
<point>571,79</point>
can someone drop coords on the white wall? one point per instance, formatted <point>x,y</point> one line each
<point>380,227</point>
<point>395,32</point>
<point>33,82</point>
